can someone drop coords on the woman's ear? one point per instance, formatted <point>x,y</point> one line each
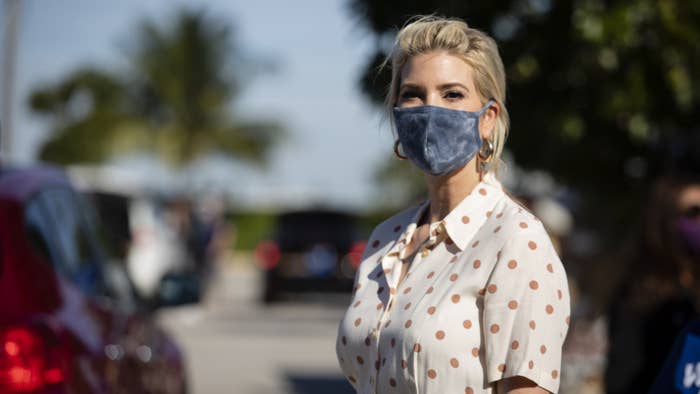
<point>489,119</point>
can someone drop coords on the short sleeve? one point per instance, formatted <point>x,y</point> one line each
<point>526,310</point>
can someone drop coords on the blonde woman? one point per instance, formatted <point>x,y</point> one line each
<point>463,292</point>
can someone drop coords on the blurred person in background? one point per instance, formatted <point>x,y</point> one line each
<point>465,291</point>
<point>659,292</point>
<point>192,230</point>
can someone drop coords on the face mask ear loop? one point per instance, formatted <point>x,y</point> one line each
<point>485,107</point>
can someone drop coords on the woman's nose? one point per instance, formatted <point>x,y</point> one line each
<point>432,99</point>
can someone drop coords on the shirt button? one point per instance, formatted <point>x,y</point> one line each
<point>424,252</point>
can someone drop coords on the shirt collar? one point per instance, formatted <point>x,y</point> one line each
<point>461,223</point>
<point>467,217</point>
<point>407,235</point>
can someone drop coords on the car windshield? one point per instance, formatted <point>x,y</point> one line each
<point>299,230</point>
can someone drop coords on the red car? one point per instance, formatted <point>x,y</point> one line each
<point>69,322</point>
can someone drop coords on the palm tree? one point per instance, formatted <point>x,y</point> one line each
<point>172,101</point>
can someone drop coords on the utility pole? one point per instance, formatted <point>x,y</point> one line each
<point>11,27</point>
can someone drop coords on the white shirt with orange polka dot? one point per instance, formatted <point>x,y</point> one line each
<point>486,298</point>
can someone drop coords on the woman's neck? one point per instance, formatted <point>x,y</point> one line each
<point>445,192</point>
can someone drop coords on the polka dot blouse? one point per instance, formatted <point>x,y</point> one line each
<point>485,298</point>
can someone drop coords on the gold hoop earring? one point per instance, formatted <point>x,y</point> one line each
<point>486,151</point>
<point>484,158</point>
<point>396,151</point>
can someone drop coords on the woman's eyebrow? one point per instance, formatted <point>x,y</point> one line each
<point>410,85</point>
<point>449,85</point>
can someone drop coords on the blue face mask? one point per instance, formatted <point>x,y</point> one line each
<point>436,139</point>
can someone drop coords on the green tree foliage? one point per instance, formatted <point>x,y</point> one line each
<point>173,100</point>
<point>599,92</point>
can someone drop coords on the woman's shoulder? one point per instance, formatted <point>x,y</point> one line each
<point>524,237</point>
<point>517,220</point>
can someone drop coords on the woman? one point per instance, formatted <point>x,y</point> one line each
<point>464,292</point>
<point>659,292</point>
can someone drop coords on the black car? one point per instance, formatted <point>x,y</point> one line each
<point>310,251</point>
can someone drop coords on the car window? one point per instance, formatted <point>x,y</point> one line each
<point>75,253</point>
<point>38,227</point>
<point>111,218</point>
<point>300,230</point>
<point>74,245</point>
<point>107,223</point>
<point>114,279</point>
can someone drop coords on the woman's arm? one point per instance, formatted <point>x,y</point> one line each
<point>518,385</point>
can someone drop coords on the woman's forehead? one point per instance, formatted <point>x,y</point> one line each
<point>436,68</point>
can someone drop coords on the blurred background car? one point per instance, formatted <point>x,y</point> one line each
<point>70,320</point>
<point>161,238</point>
<point>311,251</point>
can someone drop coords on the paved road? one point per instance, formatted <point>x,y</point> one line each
<point>235,345</point>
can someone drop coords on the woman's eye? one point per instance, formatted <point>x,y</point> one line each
<point>453,95</point>
<point>408,95</point>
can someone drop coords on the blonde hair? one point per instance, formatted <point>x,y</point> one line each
<point>431,33</point>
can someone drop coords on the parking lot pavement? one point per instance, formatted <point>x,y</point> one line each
<point>233,344</point>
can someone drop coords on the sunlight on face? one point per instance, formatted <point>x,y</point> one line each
<point>440,79</point>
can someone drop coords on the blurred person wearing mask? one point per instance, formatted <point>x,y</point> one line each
<point>660,293</point>
<point>463,292</point>
<point>681,371</point>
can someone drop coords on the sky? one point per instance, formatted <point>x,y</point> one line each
<point>336,138</point>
